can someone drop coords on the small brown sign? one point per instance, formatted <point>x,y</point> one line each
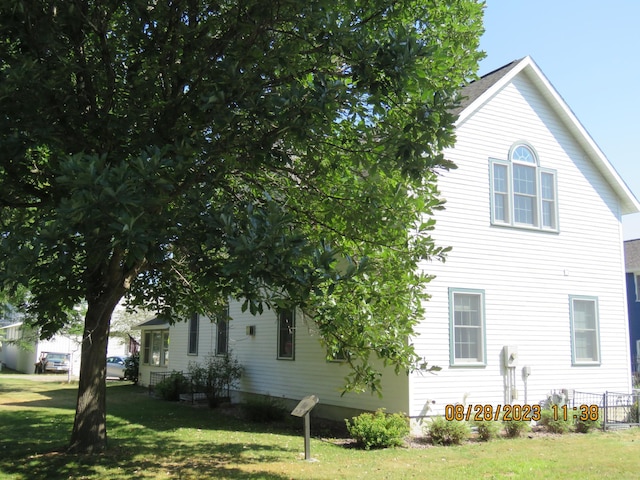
<point>305,406</point>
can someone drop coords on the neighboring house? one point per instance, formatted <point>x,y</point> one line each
<point>22,356</point>
<point>21,349</point>
<point>531,299</point>
<point>632,268</point>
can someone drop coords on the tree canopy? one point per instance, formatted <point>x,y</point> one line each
<point>176,154</point>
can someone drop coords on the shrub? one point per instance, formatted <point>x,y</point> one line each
<point>171,387</point>
<point>215,378</point>
<point>634,414</point>
<point>379,429</point>
<point>445,432</point>
<point>585,426</point>
<point>516,428</point>
<point>488,430</point>
<point>552,424</point>
<point>264,410</point>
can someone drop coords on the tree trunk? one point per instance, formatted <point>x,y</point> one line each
<point>89,433</point>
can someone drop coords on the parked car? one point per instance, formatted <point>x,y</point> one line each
<point>116,367</point>
<point>53,362</point>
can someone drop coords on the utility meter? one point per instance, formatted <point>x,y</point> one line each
<point>510,356</point>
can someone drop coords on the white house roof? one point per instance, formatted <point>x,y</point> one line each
<point>11,325</point>
<point>478,93</point>
<point>154,322</point>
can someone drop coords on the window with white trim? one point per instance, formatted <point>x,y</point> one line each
<point>155,347</point>
<point>467,327</point>
<point>523,194</point>
<point>585,334</point>
<point>636,276</point>
<point>286,334</point>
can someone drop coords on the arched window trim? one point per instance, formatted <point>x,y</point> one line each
<point>525,145</point>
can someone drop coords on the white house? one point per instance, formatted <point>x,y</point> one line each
<point>23,356</point>
<point>532,296</point>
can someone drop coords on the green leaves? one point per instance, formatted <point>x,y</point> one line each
<point>180,153</point>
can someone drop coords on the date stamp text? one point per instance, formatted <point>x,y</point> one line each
<point>518,413</point>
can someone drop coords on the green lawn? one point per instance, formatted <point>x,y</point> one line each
<point>149,438</point>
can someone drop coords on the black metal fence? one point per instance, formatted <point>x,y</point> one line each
<point>155,378</point>
<point>193,393</point>
<point>616,410</point>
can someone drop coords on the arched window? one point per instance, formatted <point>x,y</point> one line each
<point>523,194</point>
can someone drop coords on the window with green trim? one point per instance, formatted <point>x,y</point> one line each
<point>467,327</point>
<point>585,330</point>
<point>523,194</point>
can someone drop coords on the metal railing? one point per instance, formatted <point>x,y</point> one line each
<point>617,410</point>
<point>194,392</point>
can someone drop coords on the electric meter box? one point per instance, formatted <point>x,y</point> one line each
<point>510,356</point>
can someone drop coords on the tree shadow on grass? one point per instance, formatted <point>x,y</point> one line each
<point>148,438</point>
<point>199,461</point>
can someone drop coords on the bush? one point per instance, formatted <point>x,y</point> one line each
<point>585,426</point>
<point>488,430</point>
<point>516,428</point>
<point>554,425</point>
<point>379,429</point>
<point>215,378</point>
<point>445,432</point>
<point>132,367</point>
<point>171,387</point>
<point>264,410</point>
<point>634,416</point>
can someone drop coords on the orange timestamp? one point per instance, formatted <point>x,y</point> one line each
<point>517,413</point>
<point>486,413</point>
<point>582,412</point>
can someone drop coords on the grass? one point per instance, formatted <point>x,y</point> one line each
<point>149,438</point>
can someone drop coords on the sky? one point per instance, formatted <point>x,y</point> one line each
<point>590,52</point>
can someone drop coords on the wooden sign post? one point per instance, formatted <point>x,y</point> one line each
<point>302,410</point>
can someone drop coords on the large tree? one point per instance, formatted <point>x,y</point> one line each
<point>177,153</point>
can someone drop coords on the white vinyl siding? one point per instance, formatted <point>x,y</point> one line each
<point>526,276</point>
<point>467,326</point>
<point>585,330</point>
<point>264,373</point>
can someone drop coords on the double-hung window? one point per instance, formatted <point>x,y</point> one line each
<point>523,194</point>
<point>286,334</point>
<point>467,327</point>
<point>585,330</point>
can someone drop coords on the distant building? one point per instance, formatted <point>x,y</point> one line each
<point>632,269</point>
